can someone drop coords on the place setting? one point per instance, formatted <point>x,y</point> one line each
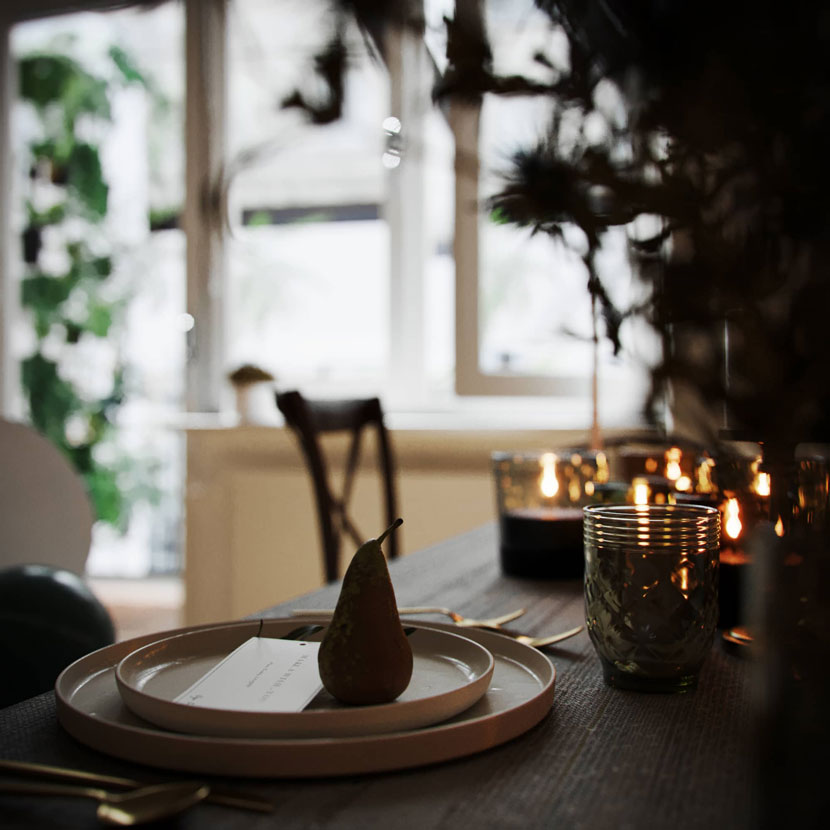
<point>299,696</point>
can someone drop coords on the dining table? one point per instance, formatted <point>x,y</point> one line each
<point>598,758</point>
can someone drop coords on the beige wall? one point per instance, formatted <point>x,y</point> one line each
<point>252,538</point>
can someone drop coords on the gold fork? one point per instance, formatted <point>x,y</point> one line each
<point>540,642</point>
<point>464,622</point>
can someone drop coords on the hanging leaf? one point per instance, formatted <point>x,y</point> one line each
<point>44,78</point>
<point>105,493</point>
<point>53,215</point>
<point>50,78</point>
<point>86,180</point>
<point>126,66</point>
<point>51,399</point>
<point>99,320</point>
<point>43,291</point>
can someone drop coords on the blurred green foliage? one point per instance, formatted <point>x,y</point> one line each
<point>79,302</point>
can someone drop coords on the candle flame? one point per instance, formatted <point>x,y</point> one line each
<point>548,483</point>
<point>673,456</point>
<point>704,476</point>
<point>732,524</point>
<point>762,484</point>
<point>779,527</point>
<point>641,491</point>
<point>603,472</point>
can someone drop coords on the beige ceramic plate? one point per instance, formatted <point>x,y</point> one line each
<point>91,710</point>
<point>450,673</point>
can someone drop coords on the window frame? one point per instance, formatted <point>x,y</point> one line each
<point>206,267</point>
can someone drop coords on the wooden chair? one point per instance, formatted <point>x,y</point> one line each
<point>309,419</point>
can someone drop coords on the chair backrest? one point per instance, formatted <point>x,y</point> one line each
<point>46,516</point>
<point>311,418</point>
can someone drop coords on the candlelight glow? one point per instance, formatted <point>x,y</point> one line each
<point>641,491</point>
<point>732,520</point>
<point>603,471</point>
<point>683,484</point>
<point>673,456</point>
<point>704,476</point>
<point>779,527</point>
<point>589,488</point>
<point>761,483</point>
<point>548,483</point>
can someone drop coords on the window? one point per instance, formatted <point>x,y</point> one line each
<point>129,339</point>
<point>307,257</point>
<point>527,327</point>
<point>338,274</point>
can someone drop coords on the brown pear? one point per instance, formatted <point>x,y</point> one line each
<point>365,657</point>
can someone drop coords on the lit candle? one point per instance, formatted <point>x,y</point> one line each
<point>543,537</point>
<point>733,564</point>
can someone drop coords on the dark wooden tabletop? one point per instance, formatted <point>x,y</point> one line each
<point>602,758</point>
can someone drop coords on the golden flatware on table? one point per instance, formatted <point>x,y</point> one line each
<point>494,623</point>
<point>138,806</point>
<point>217,795</point>
<point>541,642</point>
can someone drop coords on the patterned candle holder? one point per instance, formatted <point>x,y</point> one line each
<point>651,592</point>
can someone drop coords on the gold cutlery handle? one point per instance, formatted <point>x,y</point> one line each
<point>229,798</point>
<point>327,612</point>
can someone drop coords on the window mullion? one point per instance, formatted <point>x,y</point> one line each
<point>404,212</point>
<point>464,122</point>
<point>205,131</point>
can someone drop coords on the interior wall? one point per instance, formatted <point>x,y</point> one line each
<point>251,529</point>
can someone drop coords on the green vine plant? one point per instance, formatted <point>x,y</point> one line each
<point>69,285</point>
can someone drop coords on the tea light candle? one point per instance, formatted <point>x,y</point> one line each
<point>540,497</point>
<point>734,564</point>
<point>542,542</point>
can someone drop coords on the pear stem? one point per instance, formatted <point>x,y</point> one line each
<point>397,523</point>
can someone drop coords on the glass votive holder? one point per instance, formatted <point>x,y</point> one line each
<point>651,592</point>
<point>539,497</point>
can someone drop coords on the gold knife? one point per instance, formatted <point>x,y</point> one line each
<point>218,795</point>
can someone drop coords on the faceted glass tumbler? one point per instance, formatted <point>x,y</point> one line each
<point>651,592</point>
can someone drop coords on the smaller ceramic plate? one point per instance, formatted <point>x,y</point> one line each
<point>450,673</point>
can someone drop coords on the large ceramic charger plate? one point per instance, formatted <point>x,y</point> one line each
<point>90,709</point>
<point>450,673</point>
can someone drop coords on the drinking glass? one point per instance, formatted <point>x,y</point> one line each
<point>651,592</point>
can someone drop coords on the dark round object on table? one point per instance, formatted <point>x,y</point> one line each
<point>48,619</point>
<point>542,544</point>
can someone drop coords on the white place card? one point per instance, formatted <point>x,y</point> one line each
<point>261,675</point>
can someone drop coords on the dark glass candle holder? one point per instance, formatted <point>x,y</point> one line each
<point>540,496</point>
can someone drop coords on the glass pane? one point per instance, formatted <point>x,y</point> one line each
<point>100,334</point>
<point>535,311</point>
<point>308,258</point>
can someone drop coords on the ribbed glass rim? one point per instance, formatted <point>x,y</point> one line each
<point>631,515</point>
<point>660,526</point>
